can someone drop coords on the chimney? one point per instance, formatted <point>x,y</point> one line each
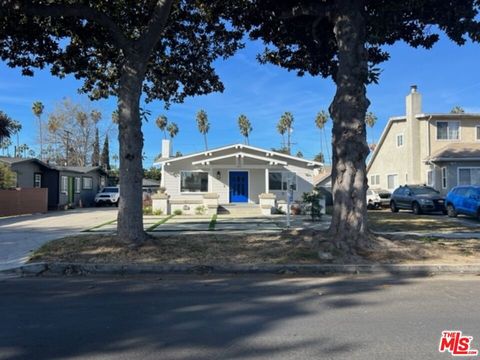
<point>413,103</point>
<point>166,149</point>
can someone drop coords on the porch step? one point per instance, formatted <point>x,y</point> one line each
<point>240,209</point>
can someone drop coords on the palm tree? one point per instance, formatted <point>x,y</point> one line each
<point>53,127</point>
<point>245,127</point>
<point>320,121</point>
<point>37,110</point>
<point>172,130</point>
<point>285,126</point>
<point>5,126</point>
<point>203,125</point>
<point>115,160</point>
<point>457,110</point>
<point>162,123</point>
<point>371,120</point>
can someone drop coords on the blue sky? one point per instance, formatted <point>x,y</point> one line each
<point>447,75</point>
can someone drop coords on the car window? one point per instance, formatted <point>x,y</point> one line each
<point>424,191</point>
<point>399,191</point>
<point>110,190</point>
<point>461,191</point>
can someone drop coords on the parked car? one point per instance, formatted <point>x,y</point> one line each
<point>373,199</point>
<point>417,198</point>
<point>108,195</point>
<point>385,196</point>
<point>463,200</point>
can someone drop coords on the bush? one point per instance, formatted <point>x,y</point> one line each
<point>7,177</point>
<point>200,210</point>
<point>312,202</point>
<point>158,212</point>
<point>178,212</point>
<point>147,210</point>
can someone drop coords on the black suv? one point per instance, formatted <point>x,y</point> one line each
<point>417,198</point>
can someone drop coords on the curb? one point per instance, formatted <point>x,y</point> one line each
<point>38,269</point>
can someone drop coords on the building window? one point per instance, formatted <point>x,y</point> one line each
<point>392,181</point>
<point>37,180</point>
<point>399,140</point>
<point>193,181</point>
<point>279,180</point>
<point>430,179</point>
<point>478,132</point>
<point>448,130</point>
<point>77,185</point>
<point>87,183</point>
<point>375,180</point>
<point>64,184</point>
<point>468,176</point>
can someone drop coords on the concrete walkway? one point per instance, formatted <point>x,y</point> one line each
<point>20,235</point>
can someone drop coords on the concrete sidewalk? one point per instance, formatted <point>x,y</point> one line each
<point>20,235</point>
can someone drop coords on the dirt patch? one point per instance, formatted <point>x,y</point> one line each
<point>218,249</point>
<point>407,221</point>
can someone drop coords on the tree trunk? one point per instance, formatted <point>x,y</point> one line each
<point>206,143</point>
<point>349,149</point>
<point>130,137</point>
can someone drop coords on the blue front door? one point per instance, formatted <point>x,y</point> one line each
<point>238,186</point>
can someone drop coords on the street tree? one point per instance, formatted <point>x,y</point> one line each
<point>162,123</point>
<point>37,109</point>
<point>245,127</point>
<point>347,40</point>
<point>162,49</point>
<point>203,125</point>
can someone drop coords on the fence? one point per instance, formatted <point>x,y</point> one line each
<point>23,201</point>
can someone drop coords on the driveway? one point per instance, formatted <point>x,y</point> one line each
<point>20,235</point>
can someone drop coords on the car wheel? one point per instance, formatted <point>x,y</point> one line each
<point>369,206</point>
<point>116,203</point>
<point>393,207</point>
<point>416,208</point>
<point>451,211</point>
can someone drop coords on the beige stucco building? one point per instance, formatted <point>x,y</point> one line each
<point>439,150</point>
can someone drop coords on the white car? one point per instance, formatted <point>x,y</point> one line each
<point>373,200</point>
<point>108,195</point>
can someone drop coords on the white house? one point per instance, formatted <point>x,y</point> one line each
<point>235,174</point>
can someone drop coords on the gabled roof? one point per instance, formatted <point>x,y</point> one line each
<point>240,155</point>
<point>79,169</point>
<point>17,160</point>
<point>457,152</point>
<point>322,176</point>
<point>268,153</point>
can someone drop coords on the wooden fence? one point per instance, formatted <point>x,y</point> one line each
<point>23,201</point>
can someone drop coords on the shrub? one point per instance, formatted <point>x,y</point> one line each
<point>178,212</point>
<point>147,210</point>
<point>7,177</point>
<point>312,203</point>
<point>157,212</point>
<point>200,210</point>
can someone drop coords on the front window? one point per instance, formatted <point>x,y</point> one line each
<point>375,180</point>
<point>448,130</point>
<point>64,184</point>
<point>424,191</point>
<point>77,185</point>
<point>87,183</point>
<point>468,176</point>
<point>279,180</point>
<point>194,181</point>
<point>37,180</point>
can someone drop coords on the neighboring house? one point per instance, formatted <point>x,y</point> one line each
<point>439,150</point>
<point>323,183</point>
<point>235,174</point>
<point>67,185</point>
<point>150,185</point>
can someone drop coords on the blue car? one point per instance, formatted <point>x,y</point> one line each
<point>463,200</point>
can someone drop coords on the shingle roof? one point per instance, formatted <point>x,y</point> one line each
<point>323,175</point>
<point>16,160</point>
<point>457,151</point>
<point>78,169</point>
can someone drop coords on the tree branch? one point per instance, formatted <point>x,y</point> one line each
<point>155,26</point>
<point>77,11</point>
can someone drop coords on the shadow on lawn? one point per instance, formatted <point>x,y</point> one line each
<point>199,318</point>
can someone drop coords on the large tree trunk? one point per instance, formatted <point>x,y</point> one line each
<point>350,149</point>
<point>130,137</point>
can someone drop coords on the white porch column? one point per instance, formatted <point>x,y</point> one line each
<point>162,179</point>
<point>267,190</point>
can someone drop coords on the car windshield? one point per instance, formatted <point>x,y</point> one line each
<point>424,191</point>
<point>110,190</point>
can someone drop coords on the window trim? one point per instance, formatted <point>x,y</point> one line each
<point>444,177</point>
<point>403,140</point>
<point>463,168</point>
<point>375,177</point>
<point>194,192</point>
<point>448,122</point>
<point>64,189</point>
<point>78,188</point>
<point>394,187</point>
<point>35,180</point>
<point>282,181</point>
<point>83,183</point>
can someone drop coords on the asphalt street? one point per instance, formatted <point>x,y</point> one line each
<point>261,317</point>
